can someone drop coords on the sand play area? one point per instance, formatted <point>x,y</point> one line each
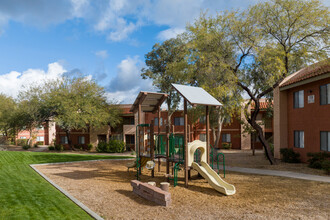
<point>104,186</point>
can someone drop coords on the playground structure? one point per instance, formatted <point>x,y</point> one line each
<point>174,148</point>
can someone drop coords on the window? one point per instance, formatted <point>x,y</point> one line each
<point>299,139</point>
<point>226,138</point>
<point>202,137</point>
<point>325,94</point>
<point>156,121</point>
<point>298,101</point>
<point>40,138</point>
<point>64,140</point>
<point>41,127</point>
<point>81,140</point>
<point>22,137</point>
<point>130,139</point>
<point>128,120</point>
<point>325,140</point>
<point>178,121</point>
<point>202,119</point>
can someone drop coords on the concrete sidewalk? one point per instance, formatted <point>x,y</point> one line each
<point>279,173</point>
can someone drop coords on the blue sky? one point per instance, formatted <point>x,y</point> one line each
<point>107,39</point>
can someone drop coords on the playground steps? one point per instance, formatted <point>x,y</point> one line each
<point>151,193</point>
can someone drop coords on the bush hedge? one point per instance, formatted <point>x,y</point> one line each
<point>289,156</point>
<point>21,142</point>
<point>26,146</point>
<point>226,145</point>
<point>320,160</point>
<point>113,146</point>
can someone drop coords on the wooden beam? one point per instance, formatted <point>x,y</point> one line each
<point>152,146</point>
<point>185,143</point>
<point>207,134</point>
<point>160,102</point>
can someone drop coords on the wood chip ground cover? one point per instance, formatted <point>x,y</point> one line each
<point>104,186</point>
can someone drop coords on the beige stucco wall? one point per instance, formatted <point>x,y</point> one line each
<point>280,121</point>
<point>96,131</point>
<point>51,132</point>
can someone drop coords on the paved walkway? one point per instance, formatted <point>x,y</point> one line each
<point>280,173</point>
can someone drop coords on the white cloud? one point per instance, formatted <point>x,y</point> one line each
<point>117,19</point>
<point>102,54</point>
<point>128,82</point>
<point>11,83</point>
<point>170,33</point>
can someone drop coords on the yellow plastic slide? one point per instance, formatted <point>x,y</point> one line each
<point>214,179</point>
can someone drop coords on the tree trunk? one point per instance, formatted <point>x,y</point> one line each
<point>217,140</point>
<point>265,144</point>
<point>67,132</point>
<point>108,133</point>
<point>30,138</point>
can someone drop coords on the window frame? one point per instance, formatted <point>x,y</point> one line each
<point>181,121</point>
<point>327,94</point>
<point>80,138</point>
<point>40,137</point>
<point>225,138</point>
<point>299,104</point>
<point>327,142</point>
<point>65,140</point>
<point>298,145</point>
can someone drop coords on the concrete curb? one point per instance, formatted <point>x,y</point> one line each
<point>73,199</point>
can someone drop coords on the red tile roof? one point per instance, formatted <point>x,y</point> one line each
<point>313,70</point>
<point>263,105</point>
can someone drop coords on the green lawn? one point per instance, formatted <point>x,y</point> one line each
<point>26,195</point>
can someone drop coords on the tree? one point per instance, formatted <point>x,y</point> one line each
<point>8,107</point>
<point>76,104</point>
<point>30,113</point>
<point>158,61</point>
<point>268,42</point>
<point>208,59</point>
<point>113,119</point>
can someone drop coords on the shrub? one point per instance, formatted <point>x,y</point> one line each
<point>114,146</point>
<point>51,148</point>
<point>89,147</point>
<point>59,147</point>
<point>21,142</point>
<point>40,143</point>
<point>289,156</point>
<point>226,145</point>
<point>35,145</point>
<point>3,141</point>
<point>326,166</point>
<point>101,147</point>
<point>78,146</point>
<point>316,159</point>
<point>26,146</point>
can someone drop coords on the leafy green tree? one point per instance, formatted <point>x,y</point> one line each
<point>76,104</point>
<point>30,113</point>
<point>267,42</point>
<point>207,64</point>
<point>158,62</point>
<point>114,118</point>
<point>8,107</point>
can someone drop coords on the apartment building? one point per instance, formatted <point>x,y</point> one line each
<point>302,111</point>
